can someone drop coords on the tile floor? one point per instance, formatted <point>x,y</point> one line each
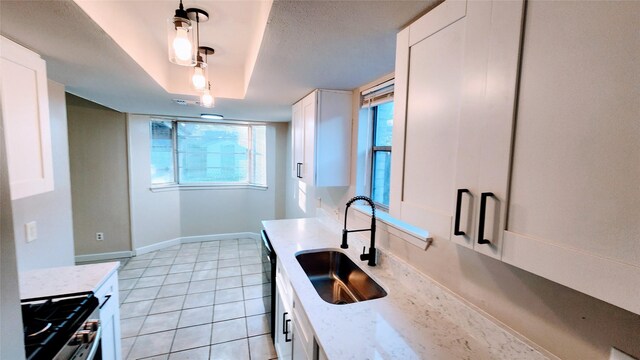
<point>196,301</point>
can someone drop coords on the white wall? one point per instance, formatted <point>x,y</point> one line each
<point>166,215</point>
<point>155,216</point>
<point>52,210</point>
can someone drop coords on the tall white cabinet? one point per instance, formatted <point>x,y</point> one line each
<point>456,73</point>
<point>321,138</point>
<point>25,117</point>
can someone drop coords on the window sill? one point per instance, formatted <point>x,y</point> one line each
<point>182,187</point>
<point>412,234</point>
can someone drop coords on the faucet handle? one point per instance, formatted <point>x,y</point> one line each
<point>364,255</point>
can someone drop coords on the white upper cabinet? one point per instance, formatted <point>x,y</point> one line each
<point>322,138</point>
<point>456,74</point>
<point>574,213</point>
<point>25,116</point>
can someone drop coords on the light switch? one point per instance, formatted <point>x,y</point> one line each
<point>31,228</point>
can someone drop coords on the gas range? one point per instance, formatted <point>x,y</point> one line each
<point>61,327</point>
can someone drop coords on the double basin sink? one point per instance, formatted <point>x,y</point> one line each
<point>337,279</point>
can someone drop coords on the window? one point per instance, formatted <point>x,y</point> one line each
<point>381,152</point>
<point>198,153</point>
<point>377,117</point>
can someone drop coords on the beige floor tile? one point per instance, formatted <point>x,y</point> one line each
<point>173,290</point>
<point>130,274</point>
<point>163,254</point>
<point>229,271</point>
<point>177,278</point>
<point>151,345</point>
<point>161,261</point>
<point>156,270</point>
<point>254,279</point>
<point>201,353</point>
<point>142,294</point>
<point>131,327</point>
<point>251,269</point>
<point>196,316</point>
<point>258,324</point>
<point>127,284</point>
<point>185,259</point>
<point>229,282</point>
<point>261,347</point>
<point>199,299</point>
<point>167,304</point>
<point>228,311</point>
<point>208,244</point>
<point>228,330</point>
<point>201,286</point>
<point>256,306</point>
<point>228,262</point>
<point>160,322</point>
<point>136,264</point>
<point>149,281</point>
<point>256,291</point>
<point>126,345</point>
<point>229,295</point>
<point>191,337</point>
<point>206,265</point>
<point>232,350</point>
<point>181,268</point>
<point>134,309</point>
<point>250,260</point>
<point>204,275</point>
<point>228,254</point>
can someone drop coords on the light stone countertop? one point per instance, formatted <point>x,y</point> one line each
<point>64,280</point>
<point>418,319</point>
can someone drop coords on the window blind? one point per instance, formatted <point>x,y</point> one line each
<point>378,94</point>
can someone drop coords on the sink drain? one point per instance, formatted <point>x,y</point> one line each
<point>340,302</point>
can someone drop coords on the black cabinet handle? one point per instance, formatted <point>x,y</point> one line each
<point>298,171</point>
<point>284,322</point>
<point>286,334</point>
<point>106,299</point>
<point>483,208</point>
<point>456,229</point>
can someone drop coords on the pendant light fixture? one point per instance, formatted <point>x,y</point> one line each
<point>200,73</point>
<point>199,79</point>
<point>181,38</point>
<point>207,99</point>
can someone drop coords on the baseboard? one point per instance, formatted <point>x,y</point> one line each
<point>157,246</point>
<point>103,256</point>
<point>195,239</point>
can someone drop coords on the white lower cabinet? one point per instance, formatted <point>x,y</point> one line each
<point>107,295</point>
<point>294,337</point>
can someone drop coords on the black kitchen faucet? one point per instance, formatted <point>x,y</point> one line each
<point>372,256</point>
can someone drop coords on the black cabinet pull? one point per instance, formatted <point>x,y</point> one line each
<point>286,334</point>
<point>483,208</point>
<point>456,229</point>
<point>284,322</point>
<point>298,171</point>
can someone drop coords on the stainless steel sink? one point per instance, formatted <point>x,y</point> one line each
<point>337,279</point>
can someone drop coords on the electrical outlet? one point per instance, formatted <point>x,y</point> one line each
<point>99,236</point>
<point>31,229</point>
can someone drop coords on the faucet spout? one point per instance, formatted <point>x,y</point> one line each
<point>372,256</point>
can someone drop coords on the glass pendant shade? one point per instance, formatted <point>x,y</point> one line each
<point>207,99</point>
<point>181,39</point>
<point>199,78</point>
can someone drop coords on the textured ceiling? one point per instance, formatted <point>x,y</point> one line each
<point>306,45</point>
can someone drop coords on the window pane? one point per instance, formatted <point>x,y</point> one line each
<point>162,171</point>
<point>259,155</point>
<point>383,124</point>
<point>213,153</point>
<point>381,176</point>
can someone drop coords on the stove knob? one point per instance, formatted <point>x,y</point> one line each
<point>84,336</point>
<point>91,325</point>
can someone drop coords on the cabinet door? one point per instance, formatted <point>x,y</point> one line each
<point>309,112</point>
<point>574,212</point>
<point>284,328</point>
<point>25,114</point>
<point>486,125</point>
<point>297,140</point>
<point>107,295</point>
<point>429,83</point>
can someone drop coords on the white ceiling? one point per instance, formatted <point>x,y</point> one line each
<point>118,58</point>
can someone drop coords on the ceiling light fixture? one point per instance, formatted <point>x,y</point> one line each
<point>181,38</point>
<point>207,99</point>
<point>211,116</point>
<point>200,76</point>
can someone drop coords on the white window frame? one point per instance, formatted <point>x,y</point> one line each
<point>177,184</point>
